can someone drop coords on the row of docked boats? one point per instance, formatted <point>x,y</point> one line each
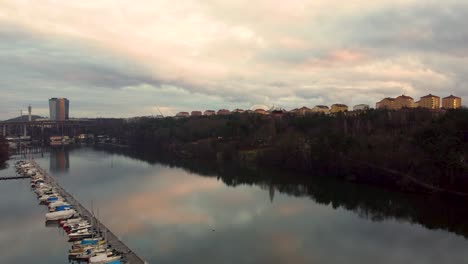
<point>88,243</point>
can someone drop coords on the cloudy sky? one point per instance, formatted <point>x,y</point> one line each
<point>126,58</point>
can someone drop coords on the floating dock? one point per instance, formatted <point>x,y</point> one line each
<point>128,255</point>
<point>14,178</point>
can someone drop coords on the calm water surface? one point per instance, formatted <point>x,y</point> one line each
<point>198,214</point>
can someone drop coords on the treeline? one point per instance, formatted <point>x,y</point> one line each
<point>410,149</point>
<point>4,155</point>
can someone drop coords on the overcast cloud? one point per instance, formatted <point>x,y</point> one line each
<point>124,58</point>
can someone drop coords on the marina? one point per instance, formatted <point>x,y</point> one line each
<point>92,240</point>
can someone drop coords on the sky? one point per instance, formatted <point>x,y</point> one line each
<point>122,58</point>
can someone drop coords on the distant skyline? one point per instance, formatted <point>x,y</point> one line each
<point>121,58</point>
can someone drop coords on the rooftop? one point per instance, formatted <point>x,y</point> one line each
<point>429,96</point>
<point>405,97</point>
<point>452,97</point>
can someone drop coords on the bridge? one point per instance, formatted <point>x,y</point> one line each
<point>36,128</point>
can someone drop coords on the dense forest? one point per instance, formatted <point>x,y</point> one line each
<point>3,151</point>
<point>410,149</point>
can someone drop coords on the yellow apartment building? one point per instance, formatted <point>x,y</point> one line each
<point>321,109</point>
<point>404,101</point>
<point>386,103</point>
<point>451,102</point>
<point>429,101</point>
<point>335,108</point>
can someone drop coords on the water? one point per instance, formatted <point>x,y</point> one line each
<point>202,213</point>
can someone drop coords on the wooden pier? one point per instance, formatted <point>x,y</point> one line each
<point>13,178</point>
<point>128,255</point>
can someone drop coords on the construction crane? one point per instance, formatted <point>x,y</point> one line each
<point>157,108</point>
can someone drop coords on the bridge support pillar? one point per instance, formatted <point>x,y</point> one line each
<point>4,128</point>
<point>42,133</point>
<point>25,131</point>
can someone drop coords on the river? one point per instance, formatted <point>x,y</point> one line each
<point>205,213</point>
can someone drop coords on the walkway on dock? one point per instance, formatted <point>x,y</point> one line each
<point>13,178</point>
<point>128,255</point>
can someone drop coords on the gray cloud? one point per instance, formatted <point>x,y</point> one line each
<point>25,56</point>
<point>127,59</point>
<point>424,27</point>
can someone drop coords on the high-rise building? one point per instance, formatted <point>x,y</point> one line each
<point>451,102</point>
<point>429,101</point>
<point>59,108</point>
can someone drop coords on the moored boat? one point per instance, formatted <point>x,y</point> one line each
<point>60,215</point>
<point>105,259</point>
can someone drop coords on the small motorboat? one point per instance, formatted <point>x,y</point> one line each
<point>61,208</point>
<point>103,258</point>
<point>88,249</point>
<point>42,189</point>
<point>75,225</point>
<point>44,197</point>
<point>89,241</point>
<point>57,203</point>
<point>93,252</point>
<point>80,234</point>
<point>71,221</point>
<point>60,215</point>
<point>75,228</point>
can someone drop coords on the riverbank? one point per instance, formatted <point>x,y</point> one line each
<point>415,150</point>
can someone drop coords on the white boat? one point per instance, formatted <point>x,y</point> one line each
<point>44,198</point>
<point>57,203</point>
<point>72,220</point>
<point>46,193</point>
<point>44,189</point>
<point>37,184</point>
<point>94,252</point>
<point>77,251</point>
<point>79,234</point>
<point>87,249</point>
<point>60,215</point>
<point>78,227</point>
<point>35,180</point>
<point>38,175</point>
<point>104,259</point>
<point>31,172</point>
<point>96,241</point>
